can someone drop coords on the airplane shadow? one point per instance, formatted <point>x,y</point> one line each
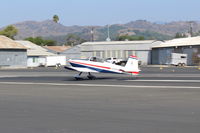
<point>64,78</point>
<point>86,79</point>
<point>102,78</point>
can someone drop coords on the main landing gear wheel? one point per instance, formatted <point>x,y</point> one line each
<point>91,77</point>
<point>78,78</point>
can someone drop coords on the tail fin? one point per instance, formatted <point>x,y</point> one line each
<point>131,66</point>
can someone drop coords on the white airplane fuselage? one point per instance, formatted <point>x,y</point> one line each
<point>100,66</point>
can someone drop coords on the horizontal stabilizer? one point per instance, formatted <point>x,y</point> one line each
<point>70,68</point>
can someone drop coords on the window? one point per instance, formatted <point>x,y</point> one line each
<point>96,59</point>
<point>183,56</point>
<point>35,59</point>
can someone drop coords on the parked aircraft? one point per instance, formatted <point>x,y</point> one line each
<point>97,65</point>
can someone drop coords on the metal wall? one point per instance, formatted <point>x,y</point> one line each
<point>122,50</point>
<point>189,52</point>
<point>143,56</point>
<point>155,56</point>
<point>72,53</point>
<point>195,57</point>
<point>15,58</point>
<point>163,55</point>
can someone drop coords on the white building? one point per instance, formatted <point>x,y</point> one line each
<point>120,49</point>
<point>36,55</point>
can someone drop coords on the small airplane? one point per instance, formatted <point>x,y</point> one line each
<point>98,65</point>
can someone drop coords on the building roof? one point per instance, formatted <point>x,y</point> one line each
<point>7,43</point>
<point>75,48</point>
<point>57,48</point>
<point>30,45</point>
<point>180,42</point>
<point>118,42</point>
<point>34,49</point>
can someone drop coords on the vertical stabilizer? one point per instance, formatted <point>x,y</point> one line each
<point>131,66</point>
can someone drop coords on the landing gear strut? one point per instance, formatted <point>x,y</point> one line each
<point>78,77</point>
<point>89,76</point>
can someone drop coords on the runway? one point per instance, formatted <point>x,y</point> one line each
<point>181,77</point>
<point>48,100</point>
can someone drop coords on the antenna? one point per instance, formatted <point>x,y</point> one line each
<point>108,30</point>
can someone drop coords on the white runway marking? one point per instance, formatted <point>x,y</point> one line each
<point>185,81</point>
<point>98,85</point>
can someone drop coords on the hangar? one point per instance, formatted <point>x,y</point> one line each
<point>119,49</point>
<point>12,54</point>
<point>161,54</point>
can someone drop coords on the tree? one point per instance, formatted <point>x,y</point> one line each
<point>180,35</point>
<point>10,31</point>
<point>40,41</point>
<point>73,39</point>
<point>55,18</point>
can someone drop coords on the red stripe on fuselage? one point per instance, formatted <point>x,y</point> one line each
<point>134,72</point>
<point>89,64</point>
<point>132,56</point>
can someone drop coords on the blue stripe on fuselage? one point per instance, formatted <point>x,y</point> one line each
<point>96,69</point>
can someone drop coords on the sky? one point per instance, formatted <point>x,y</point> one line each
<point>98,12</point>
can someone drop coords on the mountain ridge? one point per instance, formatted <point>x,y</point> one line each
<point>150,30</point>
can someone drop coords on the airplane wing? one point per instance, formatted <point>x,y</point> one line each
<point>80,69</point>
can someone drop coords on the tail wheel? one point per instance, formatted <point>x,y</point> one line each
<point>179,64</point>
<point>183,64</point>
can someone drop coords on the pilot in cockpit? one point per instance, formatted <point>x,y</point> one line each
<point>93,59</point>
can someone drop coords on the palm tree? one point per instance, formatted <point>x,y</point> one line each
<point>55,18</point>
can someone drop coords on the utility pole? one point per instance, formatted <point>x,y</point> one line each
<point>108,30</point>
<point>190,31</point>
<point>92,34</point>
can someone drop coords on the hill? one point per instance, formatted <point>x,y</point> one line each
<point>167,28</point>
<point>44,28</point>
<point>149,30</point>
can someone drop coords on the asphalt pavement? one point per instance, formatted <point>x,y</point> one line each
<point>49,100</point>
